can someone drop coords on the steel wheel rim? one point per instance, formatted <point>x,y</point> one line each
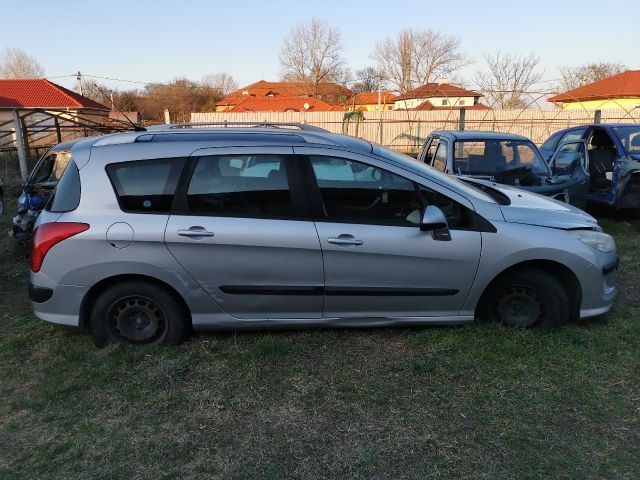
<point>136,319</point>
<point>519,306</point>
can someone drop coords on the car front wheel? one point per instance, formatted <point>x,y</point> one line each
<point>527,298</point>
<point>137,314</point>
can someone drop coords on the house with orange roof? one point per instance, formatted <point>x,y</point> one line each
<point>328,92</point>
<point>439,96</point>
<point>369,101</point>
<point>282,104</point>
<point>617,91</point>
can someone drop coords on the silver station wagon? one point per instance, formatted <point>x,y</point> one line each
<point>152,234</point>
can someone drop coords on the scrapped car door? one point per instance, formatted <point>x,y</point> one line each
<point>377,261</point>
<point>570,164</point>
<point>239,227</point>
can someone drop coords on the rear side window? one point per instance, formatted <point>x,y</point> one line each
<point>254,186</point>
<point>146,186</point>
<point>66,196</point>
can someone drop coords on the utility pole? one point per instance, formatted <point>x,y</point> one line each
<point>79,77</point>
<point>113,107</point>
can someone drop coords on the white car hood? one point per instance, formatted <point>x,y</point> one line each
<point>532,209</point>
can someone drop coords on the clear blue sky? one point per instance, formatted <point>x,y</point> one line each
<point>156,41</point>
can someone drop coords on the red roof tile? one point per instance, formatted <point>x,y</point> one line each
<point>625,84</point>
<point>41,93</point>
<point>371,98</point>
<point>326,91</point>
<point>438,90</point>
<point>281,104</point>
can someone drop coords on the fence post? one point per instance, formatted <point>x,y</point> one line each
<point>381,123</point>
<point>597,116</point>
<point>167,117</point>
<point>22,151</point>
<point>461,119</point>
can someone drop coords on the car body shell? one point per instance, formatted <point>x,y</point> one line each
<point>623,191</point>
<point>373,283</point>
<point>570,188</point>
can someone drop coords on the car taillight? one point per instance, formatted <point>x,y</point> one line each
<point>49,234</point>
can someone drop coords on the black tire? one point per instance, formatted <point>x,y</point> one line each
<point>137,314</point>
<point>527,298</point>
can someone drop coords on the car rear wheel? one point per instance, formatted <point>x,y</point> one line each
<point>527,298</point>
<point>137,314</point>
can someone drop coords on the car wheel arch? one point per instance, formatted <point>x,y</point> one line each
<point>568,278</point>
<point>93,293</point>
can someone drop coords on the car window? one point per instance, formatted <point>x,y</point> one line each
<point>552,142</point>
<point>430,151</point>
<point>253,186</point>
<point>66,196</point>
<point>146,186</point>
<point>568,158</point>
<point>576,134</point>
<point>489,157</point>
<point>440,157</point>
<point>51,168</point>
<point>629,137</point>
<point>372,195</point>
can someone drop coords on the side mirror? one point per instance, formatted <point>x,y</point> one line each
<point>434,221</point>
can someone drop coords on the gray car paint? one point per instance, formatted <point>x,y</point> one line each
<point>532,228</point>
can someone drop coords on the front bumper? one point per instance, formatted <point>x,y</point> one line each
<point>598,283</point>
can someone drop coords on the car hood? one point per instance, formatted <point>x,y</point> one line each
<point>532,209</point>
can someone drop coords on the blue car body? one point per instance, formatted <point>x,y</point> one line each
<point>613,157</point>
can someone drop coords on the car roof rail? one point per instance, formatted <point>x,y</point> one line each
<point>301,126</point>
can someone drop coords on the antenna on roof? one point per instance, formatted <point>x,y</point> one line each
<point>136,128</point>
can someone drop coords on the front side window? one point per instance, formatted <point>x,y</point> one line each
<point>240,186</point>
<point>355,192</point>
<point>430,151</point>
<point>576,134</point>
<point>440,158</point>
<point>146,186</point>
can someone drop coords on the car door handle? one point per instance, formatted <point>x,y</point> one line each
<point>195,232</point>
<point>344,240</point>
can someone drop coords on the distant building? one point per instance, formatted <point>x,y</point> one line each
<point>328,92</point>
<point>368,101</point>
<point>617,91</point>
<point>439,96</point>
<point>282,104</point>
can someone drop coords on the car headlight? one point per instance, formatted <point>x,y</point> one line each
<point>598,240</point>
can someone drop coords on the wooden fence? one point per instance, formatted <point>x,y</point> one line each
<point>406,130</point>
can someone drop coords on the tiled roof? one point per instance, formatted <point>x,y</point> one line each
<point>625,84</point>
<point>371,98</point>
<point>427,105</point>
<point>438,90</point>
<point>281,104</point>
<point>329,91</point>
<point>41,93</point>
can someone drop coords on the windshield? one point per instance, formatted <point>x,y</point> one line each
<point>629,137</point>
<point>50,169</point>
<point>422,168</point>
<point>487,157</point>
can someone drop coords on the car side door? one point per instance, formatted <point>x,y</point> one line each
<point>570,164</point>
<point>240,227</point>
<point>377,261</point>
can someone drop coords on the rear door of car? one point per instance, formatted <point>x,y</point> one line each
<point>377,261</point>
<point>240,227</point>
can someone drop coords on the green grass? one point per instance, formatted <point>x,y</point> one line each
<point>468,402</point>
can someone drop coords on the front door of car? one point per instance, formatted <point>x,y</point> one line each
<point>377,261</point>
<point>570,163</point>
<point>240,227</point>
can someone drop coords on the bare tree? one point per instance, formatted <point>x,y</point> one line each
<point>508,79</point>
<point>415,57</point>
<point>15,63</point>
<point>222,82</point>
<point>368,79</point>
<point>313,53</point>
<point>574,77</point>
